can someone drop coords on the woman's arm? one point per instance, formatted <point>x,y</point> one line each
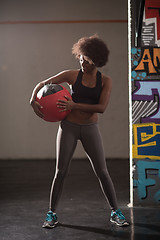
<point>99,108</point>
<point>65,76</point>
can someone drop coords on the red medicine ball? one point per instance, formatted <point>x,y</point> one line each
<point>48,97</point>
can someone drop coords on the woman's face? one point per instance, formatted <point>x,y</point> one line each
<point>86,64</point>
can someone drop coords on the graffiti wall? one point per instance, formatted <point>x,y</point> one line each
<point>145,76</point>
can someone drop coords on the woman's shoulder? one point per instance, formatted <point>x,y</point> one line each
<point>70,72</point>
<point>106,80</point>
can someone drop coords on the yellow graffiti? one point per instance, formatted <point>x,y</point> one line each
<point>146,141</point>
<point>146,58</point>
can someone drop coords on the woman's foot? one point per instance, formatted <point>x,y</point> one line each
<point>118,218</point>
<point>51,220</point>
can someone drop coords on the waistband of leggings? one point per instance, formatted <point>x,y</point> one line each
<point>79,124</point>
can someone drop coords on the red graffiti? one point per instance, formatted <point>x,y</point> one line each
<point>152,10</point>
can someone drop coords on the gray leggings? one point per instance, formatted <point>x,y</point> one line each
<point>67,137</point>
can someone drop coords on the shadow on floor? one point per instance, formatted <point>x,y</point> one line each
<point>83,210</point>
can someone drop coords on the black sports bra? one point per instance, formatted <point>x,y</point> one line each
<point>83,94</point>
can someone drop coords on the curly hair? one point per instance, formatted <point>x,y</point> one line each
<point>92,47</point>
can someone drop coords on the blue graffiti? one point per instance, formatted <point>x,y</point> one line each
<point>143,182</point>
<point>146,91</point>
<point>157,196</point>
<point>152,143</point>
<point>134,50</point>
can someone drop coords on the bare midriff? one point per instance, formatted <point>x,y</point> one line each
<point>80,117</point>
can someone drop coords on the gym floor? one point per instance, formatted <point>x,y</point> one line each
<point>83,212</point>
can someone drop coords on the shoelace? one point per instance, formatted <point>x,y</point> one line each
<point>120,215</point>
<point>51,216</point>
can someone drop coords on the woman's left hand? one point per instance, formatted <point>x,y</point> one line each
<point>65,105</point>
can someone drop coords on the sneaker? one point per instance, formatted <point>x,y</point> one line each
<point>51,220</point>
<point>118,218</point>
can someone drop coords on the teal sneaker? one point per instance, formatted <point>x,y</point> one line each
<point>51,220</point>
<point>118,218</point>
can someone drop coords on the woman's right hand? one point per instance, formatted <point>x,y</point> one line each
<point>37,109</point>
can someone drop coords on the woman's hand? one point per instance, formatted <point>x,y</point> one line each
<point>65,105</point>
<point>37,109</point>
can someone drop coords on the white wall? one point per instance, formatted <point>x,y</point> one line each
<point>32,52</point>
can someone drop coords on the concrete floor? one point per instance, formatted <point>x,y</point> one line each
<point>83,212</point>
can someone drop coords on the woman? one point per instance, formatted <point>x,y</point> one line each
<point>90,96</point>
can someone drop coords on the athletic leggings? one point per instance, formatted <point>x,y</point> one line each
<point>68,135</point>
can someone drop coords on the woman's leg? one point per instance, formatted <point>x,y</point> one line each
<point>65,146</point>
<point>93,145</point>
